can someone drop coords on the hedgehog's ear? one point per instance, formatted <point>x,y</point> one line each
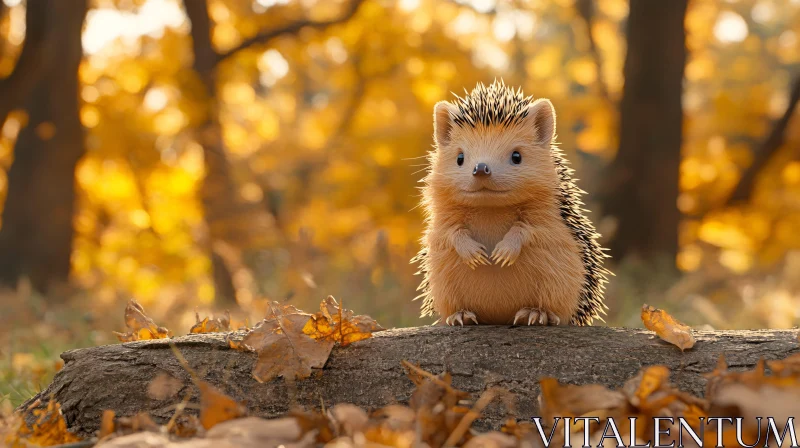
<point>541,122</point>
<point>442,122</point>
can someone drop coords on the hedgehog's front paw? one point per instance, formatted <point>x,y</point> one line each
<point>473,253</point>
<point>536,317</point>
<point>506,252</point>
<point>460,317</point>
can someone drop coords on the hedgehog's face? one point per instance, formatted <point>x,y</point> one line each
<point>494,165</point>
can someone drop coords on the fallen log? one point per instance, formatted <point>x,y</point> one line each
<point>369,373</point>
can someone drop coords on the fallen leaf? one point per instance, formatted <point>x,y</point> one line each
<point>136,423</point>
<point>314,422</point>
<point>163,386</point>
<point>492,439</point>
<point>640,388</point>
<point>48,428</point>
<point>258,432</point>
<point>141,327</point>
<point>568,400</point>
<point>282,346</point>
<point>106,424</point>
<point>216,407</point>
<point>334,323</point>
<point>218,325</point>
<point>716,377</point>
<point>348,418</point>
<point>667,328</point>
<point>786,367</point>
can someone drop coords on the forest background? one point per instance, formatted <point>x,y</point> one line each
<point>219,154</point>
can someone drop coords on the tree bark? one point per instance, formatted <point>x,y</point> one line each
<point>34,58</point>
<point>218,191</point>
<point>37,231</point>
<point>369,373</point>
<point>641,184</point>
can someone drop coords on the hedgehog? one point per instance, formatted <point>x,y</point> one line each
<point>506,238</point>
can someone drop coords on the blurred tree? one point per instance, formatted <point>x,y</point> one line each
<point>37,232</point>
<point>219,192</point>
<point>767,150</point>
<point>33,60</point>
<point>641,184</point>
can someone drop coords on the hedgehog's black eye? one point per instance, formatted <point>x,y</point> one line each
<point>460,159</point>
<point>516,157</point>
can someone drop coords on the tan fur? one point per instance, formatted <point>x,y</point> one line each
<point>519,221</point>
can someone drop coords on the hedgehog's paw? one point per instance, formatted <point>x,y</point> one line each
<point>460,317</point>
<point>506,252</point>
<point>535,316</point>
<point>472,253</point>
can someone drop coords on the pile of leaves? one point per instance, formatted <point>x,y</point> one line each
<point>290,343</point>
<point>439,415</point>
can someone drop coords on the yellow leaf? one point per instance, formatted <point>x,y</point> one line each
<point>667,328</point>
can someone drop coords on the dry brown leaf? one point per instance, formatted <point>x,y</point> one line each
<point>314,422</point>
<point>207,325</point>
<point>393,425</point>
<point>567,400</point>
<point>49,428</point>
<point>216,407</point>
<point>283,349</point>
<point>786,367</point>
<point>334,323</point>
<point>716,377</point>
<point>431,389</point>
<point>667,328</point>
<point>137,423</point>
<point>348,418</point>
<point>141,327</point>
<point>492,439</point>
<point>163,386</point>
<point>641,388</point>
<point>258,432</point>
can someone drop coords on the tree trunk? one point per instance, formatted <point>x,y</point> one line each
<point>218,191</point>
<point>34,59</point>
<point>369,373</point>
<point>641,185</point>
<point>37,231</point>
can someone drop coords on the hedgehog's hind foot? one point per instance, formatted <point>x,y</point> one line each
<point>534,316</point>
<point>460,317</point>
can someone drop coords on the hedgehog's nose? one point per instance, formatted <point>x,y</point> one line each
<point>481,169</point>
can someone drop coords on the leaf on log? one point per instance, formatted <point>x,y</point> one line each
<point>667,328</point>
<point>141,327</point>
<point>207,325</point>
<point>334,323</point>
<point>282,346</point>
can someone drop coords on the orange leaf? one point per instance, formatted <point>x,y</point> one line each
<point>334,323</point>
<point>786,367</point>
<point>216,407</point>
<point>107,426</point>
<point>49,428</point>
<point>141,327</point>
<point>218,325</point>
<point>667,328</point>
